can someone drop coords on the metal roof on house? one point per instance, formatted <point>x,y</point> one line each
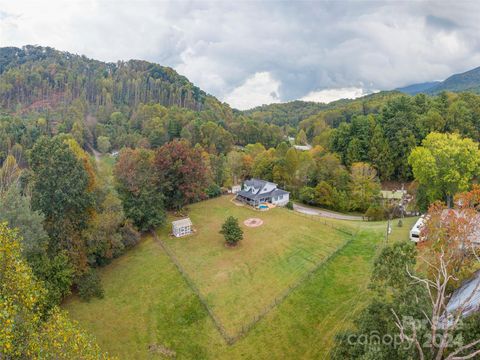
<point>257,183</point>
<point>303,147</point>
<point>255,196</point>
<point>250,195</point>
<point>466,297</point>
<point>277,192</point>
<point>182,222</point>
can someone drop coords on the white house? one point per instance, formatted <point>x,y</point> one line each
<point>256,192</point>
<point>182,227</point>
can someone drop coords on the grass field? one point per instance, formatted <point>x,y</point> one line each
<point>240,283</point>
<point>147,302</point>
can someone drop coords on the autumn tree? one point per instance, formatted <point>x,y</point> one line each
<point>181,173</point>
<point>364,185</point>
<point>412,290</point>
<point>27,331</point>
<point>445,164</point>
<point>301,138</point>
<point>136,184</point>
<point>9,173</point>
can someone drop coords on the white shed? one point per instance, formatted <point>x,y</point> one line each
<point>236,188</point>
<point>182,227</point>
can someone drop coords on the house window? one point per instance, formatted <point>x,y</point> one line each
<point>280,197</point>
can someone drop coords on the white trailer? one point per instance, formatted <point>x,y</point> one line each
<point>416,229</point>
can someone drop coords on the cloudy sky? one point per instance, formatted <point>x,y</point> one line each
<point>249,53</point>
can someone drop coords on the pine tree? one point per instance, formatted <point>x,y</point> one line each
<point>231,231</point>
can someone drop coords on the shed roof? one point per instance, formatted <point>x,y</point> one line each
<point>182,222</point>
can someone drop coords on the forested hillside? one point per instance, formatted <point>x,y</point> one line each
<point>182,146</point>
<point>292,113</point>
<point>34,74</point>
<point>45,91</point>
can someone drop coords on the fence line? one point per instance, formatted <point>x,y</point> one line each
<point>279,299</point>
<point>230,340</point>
<point>221,329</point>
<point>324,221</point>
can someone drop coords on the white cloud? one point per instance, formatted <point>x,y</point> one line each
<point>329,95</point>
<point>304,46</point>
<point>259,89</point>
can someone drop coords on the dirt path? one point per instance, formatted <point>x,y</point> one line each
<point>324,213</point>
<point>96,154</point>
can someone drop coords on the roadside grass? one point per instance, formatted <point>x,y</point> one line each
<point>240,283</point>
<point>147,302</point>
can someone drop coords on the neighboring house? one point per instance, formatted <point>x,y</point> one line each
<point>256,192</point>
<point>465,299</point>
<point>182,227</point>
<point>303,147</point>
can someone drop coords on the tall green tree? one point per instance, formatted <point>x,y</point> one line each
<point>380,155</point>
<point>232,231</point>
<point>62,191</point>
<point>16,210</point>
<point>445,164</point>
<point>365,186</point>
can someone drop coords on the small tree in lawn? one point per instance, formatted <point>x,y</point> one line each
<point>232,231</point>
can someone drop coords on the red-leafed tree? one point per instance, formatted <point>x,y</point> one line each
<point>181,173</point>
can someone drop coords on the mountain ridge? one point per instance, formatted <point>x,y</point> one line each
<point>35,73</point>
<point>465,81</point>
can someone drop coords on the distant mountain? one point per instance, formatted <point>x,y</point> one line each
<point>294,112</point>
<point>418,88</point>
<point>467,81</point>
<point>290,113</point>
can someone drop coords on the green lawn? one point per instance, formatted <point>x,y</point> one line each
<point>240,283</point>
<point>147,302</point>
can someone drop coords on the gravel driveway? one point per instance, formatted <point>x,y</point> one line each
<point>324,213</point>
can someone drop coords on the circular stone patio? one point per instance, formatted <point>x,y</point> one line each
<point>253,222</point>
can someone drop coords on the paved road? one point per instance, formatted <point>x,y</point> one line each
<point>324,213</point>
